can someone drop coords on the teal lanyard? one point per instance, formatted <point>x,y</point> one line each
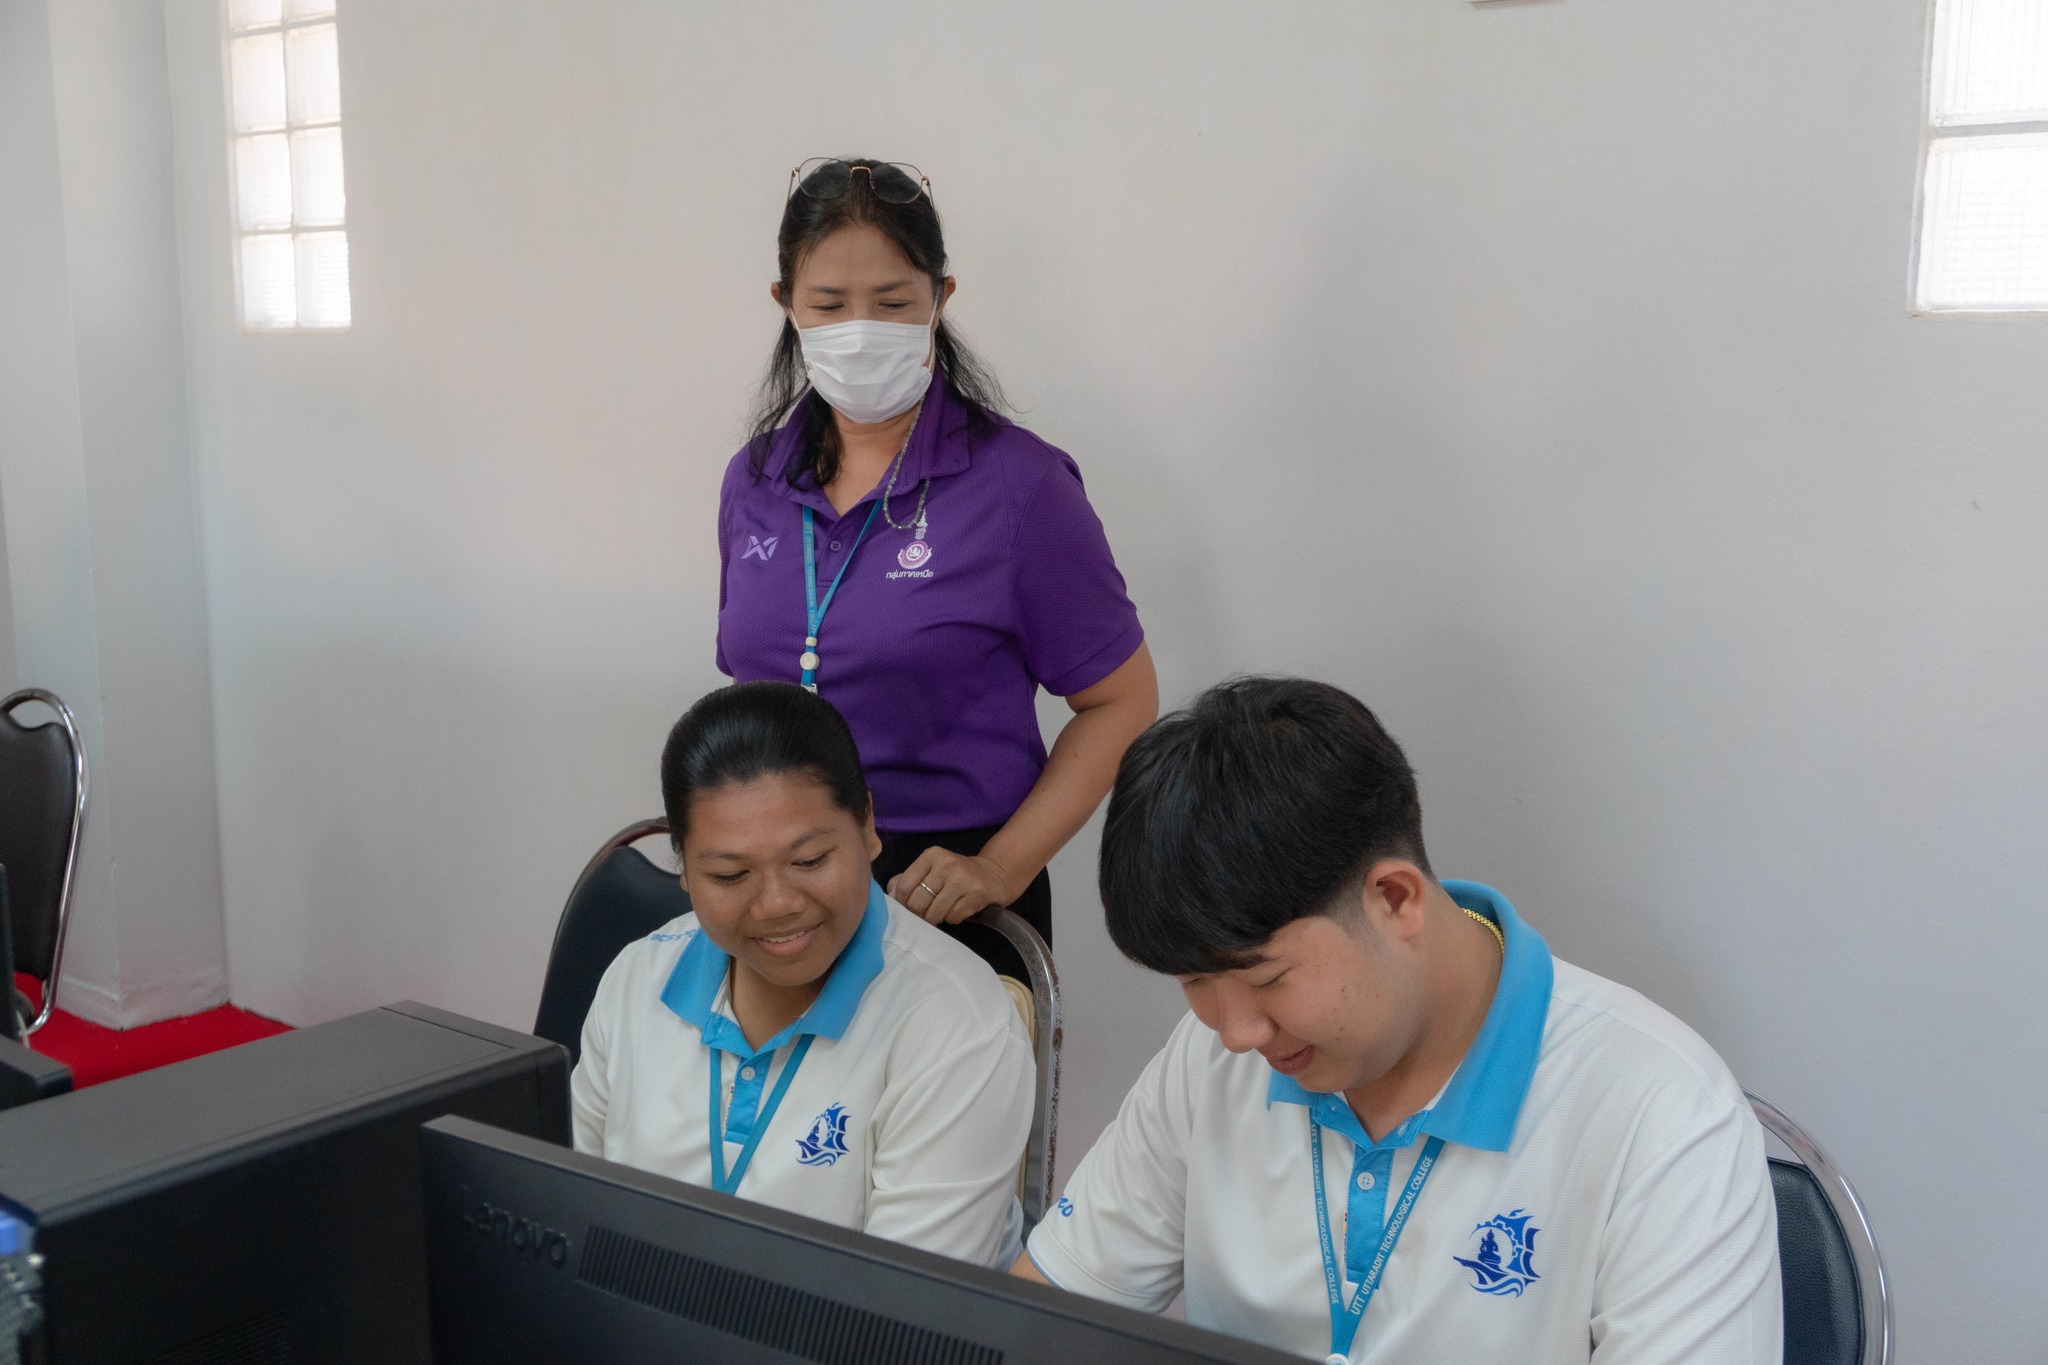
<point>1344,1321</point>
<point>814,610</point>
<point>719,1181</point>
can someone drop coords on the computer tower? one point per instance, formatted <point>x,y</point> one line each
<point>260,1204</point>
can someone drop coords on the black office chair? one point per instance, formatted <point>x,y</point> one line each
<point>622,895</point>
<point>10,1012</point>
<point>24,1075</point>
<point>42,819</point>
<point>1838,1307</point>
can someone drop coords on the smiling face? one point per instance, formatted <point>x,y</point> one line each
<point>858,274</point>
<point>1335,1001</point>
<point>778,874</point>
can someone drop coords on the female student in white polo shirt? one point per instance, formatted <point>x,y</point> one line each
<point>800,1039</point>
<point>1393,1127</point>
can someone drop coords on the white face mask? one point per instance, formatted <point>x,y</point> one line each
<point>869,371</point>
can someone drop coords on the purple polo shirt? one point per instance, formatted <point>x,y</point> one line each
<point>934,654</point>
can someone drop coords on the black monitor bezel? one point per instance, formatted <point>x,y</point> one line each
<point>443,1138</point>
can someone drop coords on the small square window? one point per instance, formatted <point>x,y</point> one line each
<point>323,279</point>
<point>269,281</point>
<point>1987,217</point>
<point>263,182</point>
<point>313,74</point>
<point>317,197</point>
<point>257,64</point>
<point>1990,62</point>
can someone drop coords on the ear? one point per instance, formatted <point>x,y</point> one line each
<point>1396,897</point>
<point>946,292</point>
<point>872,840</point>
<point>775,292</point>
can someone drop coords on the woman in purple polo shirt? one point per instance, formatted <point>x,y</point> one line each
<point>888,538</point>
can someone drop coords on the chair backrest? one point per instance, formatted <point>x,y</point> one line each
<point>621,896</point>
<point>1837,1302</point>
<point>11,1014</point>
<point>1022,944</point>
<point>42,818</point>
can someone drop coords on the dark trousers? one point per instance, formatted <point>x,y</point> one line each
<point>1035,905</point>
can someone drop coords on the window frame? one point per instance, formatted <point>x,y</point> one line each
<point>284,26</point>
<point>1932,132</point>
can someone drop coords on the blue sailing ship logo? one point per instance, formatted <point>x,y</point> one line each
<point>826,1142</point>
<point>1502,1248</point>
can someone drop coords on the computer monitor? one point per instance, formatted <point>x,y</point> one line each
<point>538,1254</point>
<point>260,1204</point>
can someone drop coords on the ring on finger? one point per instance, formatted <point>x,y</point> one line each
<point>927,890</point>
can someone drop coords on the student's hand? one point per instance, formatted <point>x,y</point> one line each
<point>945,888</point>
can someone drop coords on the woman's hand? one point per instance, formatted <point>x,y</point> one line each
<point>945,888</point>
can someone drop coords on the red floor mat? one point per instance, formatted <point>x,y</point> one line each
<point>97,1054</point>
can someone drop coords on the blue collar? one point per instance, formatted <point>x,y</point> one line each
<point>692,986</point>
<point>1480,1105</point>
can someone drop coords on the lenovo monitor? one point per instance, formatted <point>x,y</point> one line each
<point>538,1254</point>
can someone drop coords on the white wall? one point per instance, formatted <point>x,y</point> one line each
<point>7,665</point>
<point>1541,372</point>
<point>106,607</point>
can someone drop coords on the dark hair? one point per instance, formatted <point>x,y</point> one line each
<point>914,228</point>
<point>755,729</point>
<point>1254,807</point>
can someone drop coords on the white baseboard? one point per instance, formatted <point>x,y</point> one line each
<point>165,998</point>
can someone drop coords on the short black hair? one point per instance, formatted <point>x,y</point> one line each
<point>755,729</point>
<point>1252,808</point>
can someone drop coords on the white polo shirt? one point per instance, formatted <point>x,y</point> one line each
<point>905,1119</point>
<point>1603,1195</point>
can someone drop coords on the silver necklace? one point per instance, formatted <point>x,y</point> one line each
<point>916,521</point>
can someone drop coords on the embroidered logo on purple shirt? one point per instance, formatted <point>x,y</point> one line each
<point>915,555</point>
<point>760,549</point>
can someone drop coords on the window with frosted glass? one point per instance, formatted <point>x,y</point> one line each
<point>1984,201</point>
<point>284,95</point>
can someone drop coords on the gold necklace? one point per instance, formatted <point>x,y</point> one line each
<point>1491,928</point>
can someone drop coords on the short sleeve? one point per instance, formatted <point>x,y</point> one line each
<point>1075,617</point>
<point>948,1137</point>
<point>1689,1262</point>
<point>1119,1231</point>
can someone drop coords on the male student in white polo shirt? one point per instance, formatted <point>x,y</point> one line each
<point>1393,1128</point>
<point>800,1039</point>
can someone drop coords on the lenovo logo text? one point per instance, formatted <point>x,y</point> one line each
<point>521,1236</point>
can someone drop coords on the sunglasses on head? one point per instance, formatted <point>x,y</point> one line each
<point>829,177</point>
